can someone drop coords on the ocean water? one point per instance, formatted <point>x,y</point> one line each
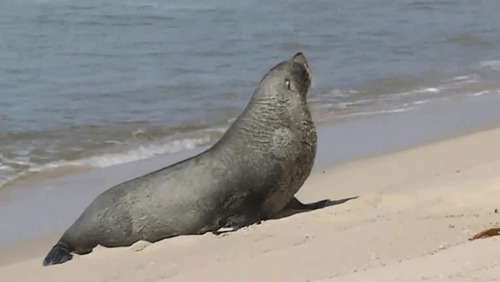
<point>99,83</point>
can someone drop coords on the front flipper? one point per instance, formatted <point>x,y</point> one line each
<point>295,204</point>
<point>237,222</point>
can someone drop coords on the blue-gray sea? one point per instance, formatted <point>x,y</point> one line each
<point>97,83</point>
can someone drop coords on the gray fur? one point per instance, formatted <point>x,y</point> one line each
<point>249,175</point>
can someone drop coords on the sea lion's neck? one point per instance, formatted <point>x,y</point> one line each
<point>261,117</point>
<point>264,115</point>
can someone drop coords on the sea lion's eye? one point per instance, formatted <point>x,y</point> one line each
<point>287,83</point>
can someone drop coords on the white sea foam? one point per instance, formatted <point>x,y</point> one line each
<point>420,102</point>
<point>8,177</point>
<point>461,77</point>
<point>4,180</point>
<point>431,90</point>
<point>492,64</point>
<point>360,102</point>
<point>104,160</point>
<point>219,129</point>
<point>4,167</point>
<point>138,132</point>
<point>480,93</point>
<point>140,153</point>
<point>114,142</point>
<point>466,78</point>
<point>336,93</point>
<point>6,174</point>
<point>421,90</point>
<point>370,113</point>
<point>20,161</point>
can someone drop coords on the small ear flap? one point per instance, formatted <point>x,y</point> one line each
<point>300,58</point>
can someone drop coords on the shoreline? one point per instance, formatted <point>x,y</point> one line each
<point>481,121</point>
<point>460,104</point>
<point>358,139</point>
<point>416,209</point>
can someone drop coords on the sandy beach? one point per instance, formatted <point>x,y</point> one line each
<point>405,97</point>
<point>403,216</point>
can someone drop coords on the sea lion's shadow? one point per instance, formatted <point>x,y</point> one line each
<point>325,204</point>
<point>295,207</point>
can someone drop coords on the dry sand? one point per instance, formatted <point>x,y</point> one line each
<point>411,221</point>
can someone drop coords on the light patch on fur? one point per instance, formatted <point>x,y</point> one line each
<point>282,140</point>
<point>139,246</point>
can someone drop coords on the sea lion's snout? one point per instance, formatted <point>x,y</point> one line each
<point>301,73</point>
<point>301,59</point>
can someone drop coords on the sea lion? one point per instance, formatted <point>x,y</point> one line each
<point>249,175</point>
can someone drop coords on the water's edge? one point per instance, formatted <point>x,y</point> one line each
<point>95,84</point>
<point>58,201</point>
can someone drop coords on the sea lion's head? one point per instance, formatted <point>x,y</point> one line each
<point>290,77</point>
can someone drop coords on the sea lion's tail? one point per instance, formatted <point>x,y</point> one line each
<point>57,255</point>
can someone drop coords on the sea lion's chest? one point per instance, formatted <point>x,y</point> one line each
<point>295,151</point>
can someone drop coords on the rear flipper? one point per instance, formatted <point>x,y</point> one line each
<point>295,204</point>
<point>57,255</point>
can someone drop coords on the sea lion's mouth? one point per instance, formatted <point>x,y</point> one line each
<point>301,59</point>
<point>308,72</point>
